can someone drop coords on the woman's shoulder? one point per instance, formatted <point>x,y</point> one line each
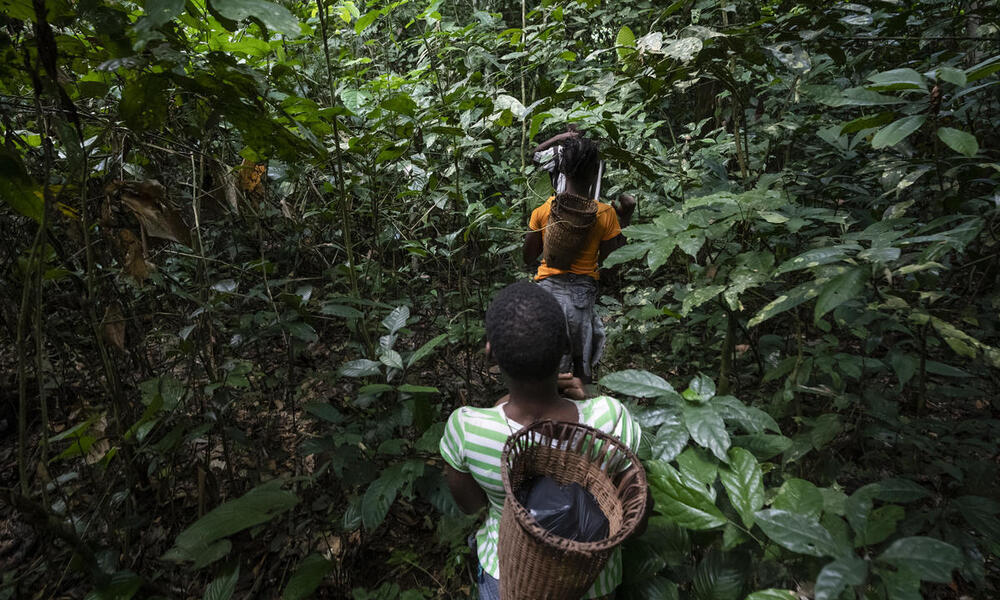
<point>601,411</point>
<point>472,414</point>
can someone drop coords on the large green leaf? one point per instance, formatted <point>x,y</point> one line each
<point>897,79</point>
<point>840,289</point>
<point>625,43</point>
<point>307,577</point>
<point>816,257</point>
<point>719,577</point>
<point>641,384</point>
<point>750,418</point>
<point>156,14</point>
<point>670,438</point>
<point>839,574</point>
<point>425,350</point>
<point>361,367</point>
<point>789,300</point>
<point>707,428</point>
<point>654,588</point>
<point>959,141</point>
<point>763,445</point>
<point>16,187</point>
<point>897,131</point>
<point>772,594</point>
<point>799,496</point>
<point>744,482</point>
<point>223,586</point>
<point>930,558</point>
<point>274,16</point>
<point>143,104</point>
<point>382,492</point>
<point>798,533</point>
<point>396,319</point>
<point>630,251</point>
<point>685,503</point>
<point>257,506</point>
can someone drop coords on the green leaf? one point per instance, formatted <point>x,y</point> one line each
<point>825,429</point>
<point>931,559</point>
<point>625,43</point>
<point>670,438</point>
<point>764,446</point>
<point>143,105</point>
<point>365,20</point>
<point>641,384</point>
<point>719,576</point>
<point>840,289</point>
<point>750,418</point>
<point>382,492</point>
<point>655,588</point>
<point>867,122</point>
<point>897,131</point>
<point>325,411</point>
<point>703,388</point>
<point>815,258</point>
<point>797,533</point>
<point>626,253</point>
<point>879,525</point>
<point>418,389</point>
<point>959,141</point>
<point>984,69</point>
<point>259,505</point>
<point>952,75</point>
<point>307,577</point>
<point>156,14</point>
<point>400,103</point>
<point>687,505</point>
<point>900,490</point>
<point>391,358</point>
<point>707,429</point>
<point>659,254</point>
<point>17,188</point>
<point>338,310</point>
<point>696,464</point>
<point>396,319</point>
<point>799,496</point>
<point>699,296</point>
<point>789,300</point>
<point>772,594</point>
<point>274,16</point>
<point>744,482</point>
<point>223,586</point>
<point>837,575</point>
<point>897,79</point>
<point>425,350</point>
<point>361,367</point>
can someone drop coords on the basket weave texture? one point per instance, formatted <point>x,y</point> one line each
<point>536,564</point>
<point>570,221</point>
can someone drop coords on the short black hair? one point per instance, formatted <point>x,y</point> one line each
<point>526,329</point>
<point>579,160</point>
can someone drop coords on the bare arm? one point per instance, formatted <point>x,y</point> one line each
<point>464,489</point>
<point>532,247</point>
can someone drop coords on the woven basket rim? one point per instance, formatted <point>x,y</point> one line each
<point>539,533</point>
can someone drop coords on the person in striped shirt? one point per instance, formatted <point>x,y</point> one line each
<point>526,334</point>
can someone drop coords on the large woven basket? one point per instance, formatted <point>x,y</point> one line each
<point>565,235</point>
<point>536,564</point>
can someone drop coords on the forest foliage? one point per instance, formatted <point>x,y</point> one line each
<point>250,244</point>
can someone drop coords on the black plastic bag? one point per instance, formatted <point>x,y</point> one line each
<point>568,511</point>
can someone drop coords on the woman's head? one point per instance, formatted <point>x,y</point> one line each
<point>526,331</point>
<point>578,159</point>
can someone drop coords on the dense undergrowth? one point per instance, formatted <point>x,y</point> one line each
<point>248,246</point>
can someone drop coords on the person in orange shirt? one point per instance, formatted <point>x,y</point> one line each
<point>576,168</point>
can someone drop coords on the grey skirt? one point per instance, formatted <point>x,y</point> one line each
<point>577,295</point>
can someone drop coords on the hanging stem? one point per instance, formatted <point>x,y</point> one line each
<point>345,208</point>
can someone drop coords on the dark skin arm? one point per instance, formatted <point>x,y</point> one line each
<point>532,247</point>
<point>467,494</point>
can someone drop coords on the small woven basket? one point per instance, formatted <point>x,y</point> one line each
<point>565,235</point>
<point>536,564</point>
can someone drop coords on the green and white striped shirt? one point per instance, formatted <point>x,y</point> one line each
<point>472,443</point>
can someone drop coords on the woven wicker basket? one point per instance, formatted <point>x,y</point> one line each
<point>538,565</point>
<point>565,235</point>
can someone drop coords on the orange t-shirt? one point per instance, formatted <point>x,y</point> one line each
<point>605,227</point>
